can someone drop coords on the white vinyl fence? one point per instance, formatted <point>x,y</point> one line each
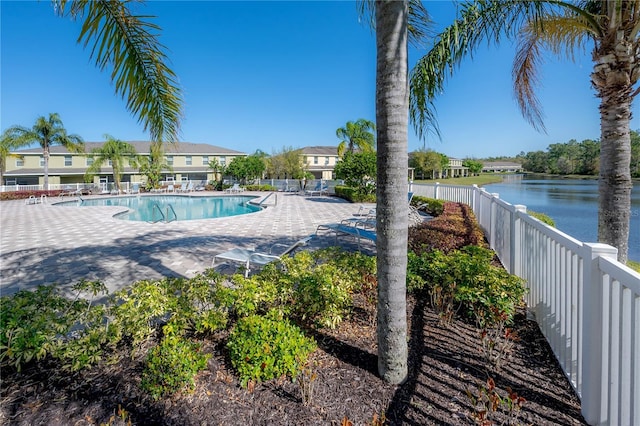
<point>586,303</point>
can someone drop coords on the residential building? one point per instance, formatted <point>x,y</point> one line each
<point>456,169</point>
<point>501,167</point>
<point>189,162</point>
<point>320,160</point>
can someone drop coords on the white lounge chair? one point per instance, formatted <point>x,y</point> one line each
<point>357,228</point>
<point>248,257</point>
<point>235,188</point>
<point>320,189</point>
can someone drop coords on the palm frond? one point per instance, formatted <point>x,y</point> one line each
<point>128,44</point>
<point>563,36</point>
<point>420,23</point>
<point>480,21</point>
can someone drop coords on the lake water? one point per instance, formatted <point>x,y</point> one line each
<point>571,203</point>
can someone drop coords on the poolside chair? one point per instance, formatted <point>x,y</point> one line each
<point>235,188</point>
<point>248,257</point>
<point>356,228</point>
<point>183,187</point>
<point>320,189</point>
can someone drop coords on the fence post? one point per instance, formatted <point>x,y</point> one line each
<point>435,190</point>
<point>594,338</point>
<point>492,219</point>
<point>516,243</point>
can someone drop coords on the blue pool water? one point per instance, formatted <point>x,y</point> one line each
<point>186,208</point>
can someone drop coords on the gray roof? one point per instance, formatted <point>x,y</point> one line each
<point>500,164</point>
<point>143,148</point>
<point>320,150</point>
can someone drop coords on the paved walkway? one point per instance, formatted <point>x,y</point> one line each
<point>45,243</point>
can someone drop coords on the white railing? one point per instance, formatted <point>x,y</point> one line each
<point>586,303</point>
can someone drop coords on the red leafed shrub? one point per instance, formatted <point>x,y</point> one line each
<point>455,228</point>
<point>19,195</point>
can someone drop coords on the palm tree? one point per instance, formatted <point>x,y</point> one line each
<point>127,45</point>
<point>356,135</point>
<point>46,132</point>
<point>392,106</point>
<point>152,166</point>
<point>113,151</point>
<point>7,144</point>
<point>611,29</point>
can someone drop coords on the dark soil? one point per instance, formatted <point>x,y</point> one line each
<point>444,363</point>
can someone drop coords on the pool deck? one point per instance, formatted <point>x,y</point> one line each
<point>45,243</point>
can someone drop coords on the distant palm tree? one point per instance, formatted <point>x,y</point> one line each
<point>357,134</point>
<point>7,144</point>
<point>113,151</point>
<point>46,132</point>
<point>612,30</point>
<point>152,166</point>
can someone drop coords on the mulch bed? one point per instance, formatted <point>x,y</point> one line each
<point>445,362</point>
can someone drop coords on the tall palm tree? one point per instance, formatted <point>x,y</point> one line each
<point>396,23</point>
<point>127,46</point>
<point>610,29</point>
<point>392,116</point>
<point>47,132</point>
<point>356,135</point>
<point>113,151</point>
<point>7,144</point>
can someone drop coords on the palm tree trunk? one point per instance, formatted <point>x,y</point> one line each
<point>613,81</point>
<point>45,155</point>
<point>614,208</point>
<point>392,117</point>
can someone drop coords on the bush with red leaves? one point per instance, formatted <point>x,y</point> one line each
<point>455,228</point>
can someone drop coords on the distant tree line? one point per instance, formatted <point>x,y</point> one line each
<point>573,157</point>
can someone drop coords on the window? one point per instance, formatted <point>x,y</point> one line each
<point>170,160</point>
<point>110,163</point>
<point>223,160</point>
<point>315,160</point>
<point>326,161</point>
<point>68,161</point>
<point>188,160</point>
<point>41,161</point>
<point>205,160</point>
<point>19,162</point>
<point>89,161</point>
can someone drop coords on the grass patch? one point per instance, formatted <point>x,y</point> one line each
<point>483,179</point>
<point>633,265</point>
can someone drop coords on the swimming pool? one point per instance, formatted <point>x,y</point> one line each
<point>163,208</point>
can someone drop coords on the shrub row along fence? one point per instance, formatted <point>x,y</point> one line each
<point>586,303</point>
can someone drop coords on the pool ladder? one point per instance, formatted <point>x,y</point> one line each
<point>164,218</point>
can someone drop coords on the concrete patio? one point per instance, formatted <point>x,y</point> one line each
<point>46,243</point>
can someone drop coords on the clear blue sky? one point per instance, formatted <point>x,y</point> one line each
<point>267,75</point>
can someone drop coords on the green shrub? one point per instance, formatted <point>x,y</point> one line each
<point>172,366</point>
<point>253,295</point>
<point>266,347</point>
<point>542,218</point>
<point>359,268</point>
<point>355,195</point>
<point>41,323</point>
<point>139,310</point>
<point>323,296</point>
<point>480,287</point>
<point>260,188</point>
<point>431,206</point>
